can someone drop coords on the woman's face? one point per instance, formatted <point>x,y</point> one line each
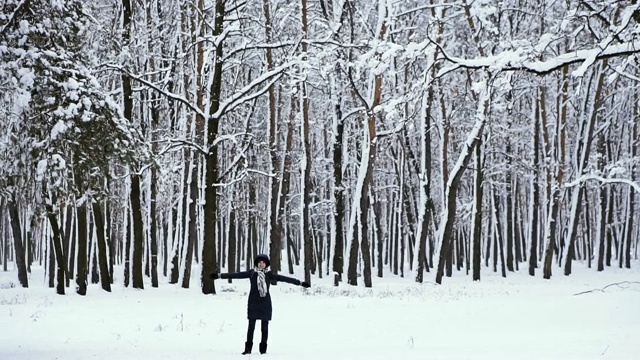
<point>261,264</point>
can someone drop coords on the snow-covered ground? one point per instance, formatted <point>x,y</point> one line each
<point>519,317</point>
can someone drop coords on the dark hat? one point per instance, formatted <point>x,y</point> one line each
<point>262,257</point>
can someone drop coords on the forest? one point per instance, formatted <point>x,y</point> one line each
<point>161,141</point>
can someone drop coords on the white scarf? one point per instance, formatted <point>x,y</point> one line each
<point>262,281</point>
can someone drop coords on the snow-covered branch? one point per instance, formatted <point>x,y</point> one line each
<point>246,94</point>
<point>181,143</point>
<point>520,60</point>
<point>603,180</point>
<point>13,17</point>
<point>168,94</point>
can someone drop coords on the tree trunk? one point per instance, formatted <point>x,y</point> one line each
<point>496,203</point>
<point>192,230</point>
<point>365,234</point>
<point>451,188</point>
<point>369,151</point>
<point>233,229</point>
<point>275,221</point>
<point>551,236</point>
<point>286,172</point>
<point>165,242</point>
<point>138,235</point>
<point>30,245</point>
<point>477,213</point>
<point>178,214</point>
<point>127,93</point>
<point>533,249</point>
<point>509,211</point>
<point>425,188</point>
<point>71,261</point>
<point>112,233</point>
<point>153,218</point>
<point>608,232</point>
<point>633,144</point>
<point>252,231</point>
<point>66,238</point>
<point>602,197</point>
<point>50,254</point>
<point>105,278</point>
<point>449,259</point>
<point>56,241</point>
<point>352,271</point>
<point>338,193</point>
<point>396,249</point>
<point>4,238</point>
<point>557,157</point>
<point>17,242</point>
<point>209,262</point>
<point>517,231</point>
<point>306,185</point>
<point>380,234</point>
<point>93,260</point>
<point>584,147</point>
<point>81,273</point>
<point>198,27</point>
<point>127,249</point>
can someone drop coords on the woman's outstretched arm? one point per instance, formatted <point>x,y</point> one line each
<point>237,275</point>
<point>289,280</point>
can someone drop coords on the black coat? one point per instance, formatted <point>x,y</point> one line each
<point>259,307</point>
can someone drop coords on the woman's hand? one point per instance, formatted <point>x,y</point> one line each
<point>305,284</point>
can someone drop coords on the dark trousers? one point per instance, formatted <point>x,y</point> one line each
<point>264,328</point>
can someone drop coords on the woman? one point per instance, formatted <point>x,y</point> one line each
<point>259,304</point>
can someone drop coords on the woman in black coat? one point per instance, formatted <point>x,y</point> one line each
<point>259,304</point>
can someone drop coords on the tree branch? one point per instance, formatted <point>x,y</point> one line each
<point>24,3</point>
<point>603,180</point>
<point>153,86</point>
<point>623,284</point>
<point>516,60</point>
<point>245,93</point>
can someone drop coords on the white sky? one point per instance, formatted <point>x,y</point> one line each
<point>515,318</point>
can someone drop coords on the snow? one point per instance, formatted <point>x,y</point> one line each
<point>58,129</point>
<point>24,27</point>
<point>518,317</point>
<point>72,84</point>
<point>27,77</point>
<point>41,169</point>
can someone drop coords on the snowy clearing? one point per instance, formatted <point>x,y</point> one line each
<point>514,318</point>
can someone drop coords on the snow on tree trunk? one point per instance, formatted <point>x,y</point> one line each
<point>445,230</point>
<point>583,149</point>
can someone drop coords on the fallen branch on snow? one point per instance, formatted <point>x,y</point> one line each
<point>623,284</point>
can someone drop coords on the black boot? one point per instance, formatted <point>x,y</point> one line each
<point>247,348</point>
<point>263,348</point>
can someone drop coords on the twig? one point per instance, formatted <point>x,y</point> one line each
<point>619,284</point>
